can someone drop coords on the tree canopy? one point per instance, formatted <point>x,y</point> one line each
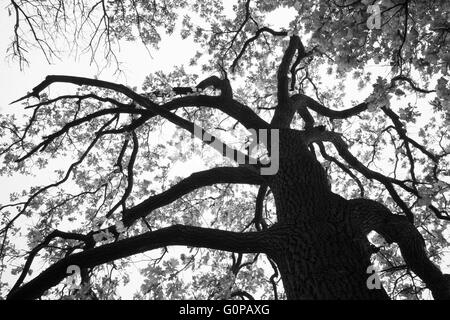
<point>372,104</point>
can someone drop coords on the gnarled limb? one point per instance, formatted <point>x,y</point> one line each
<point>82,81</point>
<point>295,45</point>
<point>195,181</point>
<point>312,104</point>
<point>143,101</point>
<point>242,113</point>
<point>239,111</point>
<point>370,215</point>
<point>221,84</point>
<point>284,111</point>
<point>251,242</point>
<point>388,182</point>
<point>345,153</point>
<point>258,220</point>
<point>151,109</point>
<point>411,83</point>
<point>300,103</point>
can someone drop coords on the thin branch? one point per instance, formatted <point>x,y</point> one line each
<point>130,177</point>
<point>440,214</point>
<point>400,128</point>
<point>411,83</point>
<point>258,220</point>
<point>343,168</point>
<point>388,182</point>
<point>250,40</point>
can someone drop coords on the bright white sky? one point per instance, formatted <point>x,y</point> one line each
<point>136,65</point>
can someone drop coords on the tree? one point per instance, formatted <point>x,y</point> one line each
<point>343,172</point>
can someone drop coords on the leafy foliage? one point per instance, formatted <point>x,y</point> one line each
<point>399,72</point>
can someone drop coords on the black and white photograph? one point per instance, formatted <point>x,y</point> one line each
<point>226,155</point>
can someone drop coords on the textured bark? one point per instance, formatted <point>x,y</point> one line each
<point>251,242</point>
<point>321,249</point>
<point>318,243</point>
<point>319,253</point>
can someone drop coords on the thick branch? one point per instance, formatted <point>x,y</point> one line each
<point>81,81</point>
<point>411,83</point>
<point>371,215</point>
<point>388,182</point>
<point>231,107</point>
<point>252,242</point>
<point>301,99</point>
<point>221,84</point>
<point>295,45</point>
<point>152,109</point>
<point>224,103</point>
<point>189,184</point>
<point>284,111</point>
<point>143,101</point>
<point>300,104</point>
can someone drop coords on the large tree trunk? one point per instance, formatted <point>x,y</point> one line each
<point>320,253</point>
<point>319,241</point>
